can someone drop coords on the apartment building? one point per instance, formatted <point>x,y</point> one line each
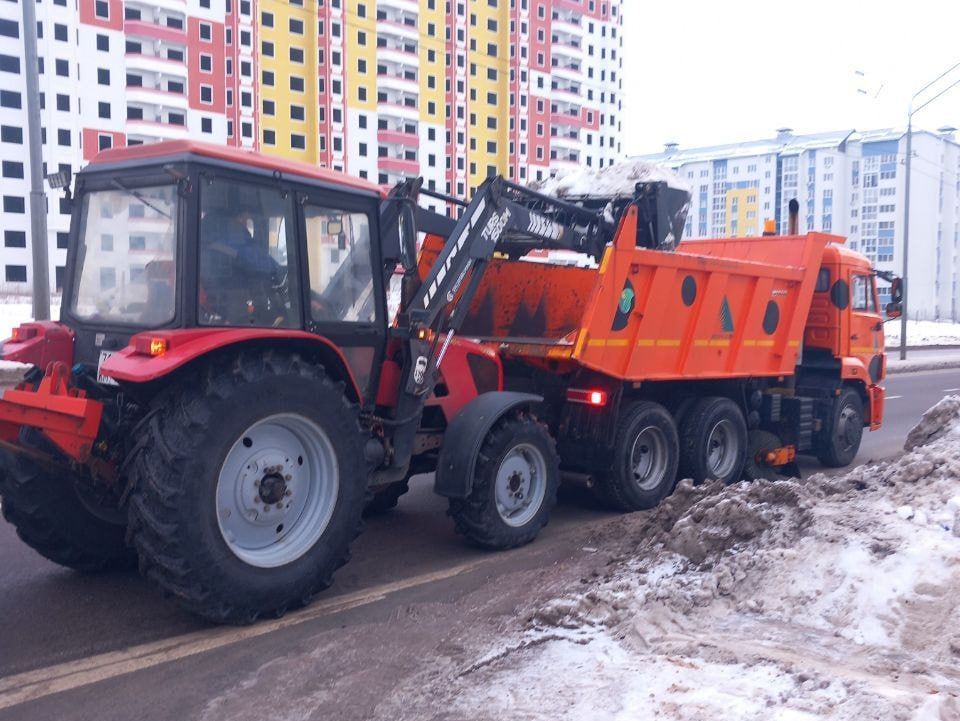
<point>847,182</point>
<point>382,89</point>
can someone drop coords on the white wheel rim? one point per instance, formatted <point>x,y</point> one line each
<point>648,458</point>
<point>721,449</point>
<point>521,484</point>
<point>277,489</point>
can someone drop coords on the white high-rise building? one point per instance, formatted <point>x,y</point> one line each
<point>847,182</point>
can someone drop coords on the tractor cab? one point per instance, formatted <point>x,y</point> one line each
<point>203,237</point>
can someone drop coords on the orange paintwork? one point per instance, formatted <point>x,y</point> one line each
<point>576,314</point>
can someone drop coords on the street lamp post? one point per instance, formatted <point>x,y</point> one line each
<point>911,111</point>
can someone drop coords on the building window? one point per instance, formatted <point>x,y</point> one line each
<point>63,102</point>
<point>296,112</point>
<point>296,55</point>
<point>12,169</point>
<point>269,137</point>
<point>297,141</point>
<point>206,94</point>
<point>104,142</point>
<point>11,64</point>
<point>63,137</point>
<point>103,76</point>
<point>296,84</point>
<point>15,239</point>
<point>16,273</point>
<point>266,19</point>
<point>13,204</point>
<point>63,70</point>
<point>269,107</point>
<point>103,110</point>
<point>206,125</point>
<point>206,63</point>
<point>296,26</point>
<point>10,99</point>
<point>206,32</point>
<point>267,77</point>
<point>11,134</point>
<point>177,119</point>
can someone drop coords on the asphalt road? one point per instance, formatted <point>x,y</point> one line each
<point>107,647</point>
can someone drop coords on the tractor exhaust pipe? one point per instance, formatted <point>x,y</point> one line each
<point>793,226</point>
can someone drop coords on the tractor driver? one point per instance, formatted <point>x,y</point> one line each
<point>241,283</point>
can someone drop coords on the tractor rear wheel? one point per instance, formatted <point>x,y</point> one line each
<point>248,487</point>
<point>52,517</point>
<point>643,464</point>
<point>515,484</point>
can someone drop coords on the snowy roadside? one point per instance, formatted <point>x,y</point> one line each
<point>831,598</point>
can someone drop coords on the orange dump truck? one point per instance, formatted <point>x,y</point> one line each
<point>716,359</point>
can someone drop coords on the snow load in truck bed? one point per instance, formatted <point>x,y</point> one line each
<point>617,180</point>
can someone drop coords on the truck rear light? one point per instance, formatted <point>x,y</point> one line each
<point>590,397</point>
<point>151,346</point>
<point>22,333</point>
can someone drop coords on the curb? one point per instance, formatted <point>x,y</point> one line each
<point>917,366</point>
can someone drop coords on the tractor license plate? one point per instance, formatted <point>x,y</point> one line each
<point>104,354</point>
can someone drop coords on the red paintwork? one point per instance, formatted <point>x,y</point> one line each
<point>64,414</point>
<point>52,343</point>
<point>460,386</point>
<point>138,155</point>
<point>184,346</point>
<point>390,379</point>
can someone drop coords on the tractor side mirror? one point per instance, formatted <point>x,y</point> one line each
<point>896,291</point>
<point>894,310</point>
<point>407,231</point>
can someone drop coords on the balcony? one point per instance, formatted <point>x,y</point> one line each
<point>561,50</point>
<point>407,6</point>
<point>397,29</point>
<point>155,129</point>
<point>398,55</point>
<point>154,31</point>
<point>389,81</point>
<point>155,64</point>
<point>399,165</point>
<point>398,137</point>
<point>156,97</point>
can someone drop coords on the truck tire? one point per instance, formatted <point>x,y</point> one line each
<point>248,487</point>
<point>843,430</point>
<point>386,498</point>
<point>643,465</point>
<point>50,516</point>
<point>713,441</point>
<point>515,484</point>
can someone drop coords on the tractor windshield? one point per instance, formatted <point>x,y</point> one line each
<point>126,256</point>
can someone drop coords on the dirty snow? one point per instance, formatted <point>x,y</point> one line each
<point>829,598</point>
<point>614,180</point>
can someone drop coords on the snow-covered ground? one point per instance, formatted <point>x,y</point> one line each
<point>15,310</point>
<point>832,598</point>
<point>923,332</point>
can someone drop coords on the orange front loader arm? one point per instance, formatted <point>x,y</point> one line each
<point>64,414</point>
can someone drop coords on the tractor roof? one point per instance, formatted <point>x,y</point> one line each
<point>179,150</point>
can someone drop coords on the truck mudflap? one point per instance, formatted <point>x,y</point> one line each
<point>465,436</point>
<point>874,413</point>
<point>64,414</point>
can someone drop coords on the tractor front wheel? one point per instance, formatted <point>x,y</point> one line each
<point>514,488</point>
<point>248,488</point>
<point>52,516</point>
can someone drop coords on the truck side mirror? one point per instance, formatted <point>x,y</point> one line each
<point>896,290</point>
<point>407,230</point>
<point>894,310</point>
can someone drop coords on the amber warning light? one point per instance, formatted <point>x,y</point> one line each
<point>589,397</point>
<point>22,333</point>
<point>152,346</point>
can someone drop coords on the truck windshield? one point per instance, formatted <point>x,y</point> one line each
<point>126,259</point>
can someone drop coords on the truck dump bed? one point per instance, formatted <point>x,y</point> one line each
<point>711,309</point>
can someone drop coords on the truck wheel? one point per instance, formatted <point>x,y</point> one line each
<point>514,485</point>
<point>841,435</point>
<point>386,498</point>
<point>54,520</point>
<point>713,441</point>
<point>643,468</point>
<point>248,487</point>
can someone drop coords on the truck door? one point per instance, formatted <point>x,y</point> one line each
<point>866,339</point>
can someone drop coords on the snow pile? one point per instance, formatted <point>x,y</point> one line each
<point>15,310</point>
<point>612,181</point>
<point>829,598</point>
<point>923,333</point>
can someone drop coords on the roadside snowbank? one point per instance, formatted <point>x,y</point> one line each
<point>830,598</point>
<point>923,332</point>
<point>16,310</point>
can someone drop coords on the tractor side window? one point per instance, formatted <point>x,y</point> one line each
<point>862,292</point>
<point>341,270</point>
<point>245,232</point>
<point>823,281</point>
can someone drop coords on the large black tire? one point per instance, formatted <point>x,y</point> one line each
<point>841,434</point>
<point>646,440</point>
<point>515,439</point>
<point>713,441</point>
<point>386,498</point>
<point>50,516</point>
<point>198,425</point>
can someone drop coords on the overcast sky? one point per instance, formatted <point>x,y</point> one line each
<point>699,72</point>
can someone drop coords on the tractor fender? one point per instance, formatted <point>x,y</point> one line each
<point>185,346</point>
<point>464,438</point>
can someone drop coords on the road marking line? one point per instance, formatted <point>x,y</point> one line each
<point>42,682</point>
<point>893,398</point>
